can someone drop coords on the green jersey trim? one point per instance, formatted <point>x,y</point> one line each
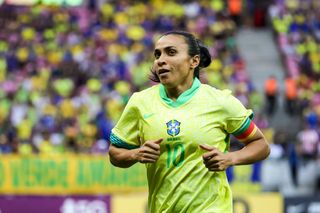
<point>115,140</point>
<point>244,126</point>
<point>184,97</point>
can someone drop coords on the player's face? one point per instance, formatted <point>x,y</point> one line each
<point>172,63</point>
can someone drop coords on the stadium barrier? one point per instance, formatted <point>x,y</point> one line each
<point>89,183</point>
<point>54,204</point>
<point>258,203</point>
<point>124,202</point>
<point>67,174</point>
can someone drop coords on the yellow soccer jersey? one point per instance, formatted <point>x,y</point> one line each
<point>179,181</point>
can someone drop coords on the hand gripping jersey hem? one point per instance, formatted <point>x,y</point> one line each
<point>116,141</point>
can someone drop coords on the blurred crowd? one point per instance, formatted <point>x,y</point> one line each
<point>67,73</point>
<point>296,26</point>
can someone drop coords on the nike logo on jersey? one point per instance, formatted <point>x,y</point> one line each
<point>145,116</point>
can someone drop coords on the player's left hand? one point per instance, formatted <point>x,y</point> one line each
<point>214,159</point>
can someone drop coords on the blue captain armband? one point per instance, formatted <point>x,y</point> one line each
<point>116,141</point>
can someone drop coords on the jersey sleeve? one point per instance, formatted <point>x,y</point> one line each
<point>236,115</point>
<point>125,134</point>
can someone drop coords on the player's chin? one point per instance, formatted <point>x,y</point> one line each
<point>167,82</point>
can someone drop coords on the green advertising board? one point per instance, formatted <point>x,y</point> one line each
<point>68,174</point>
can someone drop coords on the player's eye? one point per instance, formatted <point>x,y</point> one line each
<point>157,54</point>
<point>172,52</point>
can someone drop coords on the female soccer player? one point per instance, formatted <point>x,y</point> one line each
<point>180,130</point>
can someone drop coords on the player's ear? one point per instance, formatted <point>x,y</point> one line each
<point>194,61</point>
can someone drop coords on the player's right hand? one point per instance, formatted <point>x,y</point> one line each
<point>214,159</point>
<point>149,152</point>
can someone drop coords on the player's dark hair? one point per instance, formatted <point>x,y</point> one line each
<point>195,47</point>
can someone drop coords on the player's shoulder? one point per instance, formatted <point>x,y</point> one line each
<point>148,91</point>
<point>215,92</point>
<point>145,94</point>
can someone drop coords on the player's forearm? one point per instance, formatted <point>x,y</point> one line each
<point>123,158</point>
<point>254,151</point>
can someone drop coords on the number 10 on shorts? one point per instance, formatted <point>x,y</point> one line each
<point>176,154</point>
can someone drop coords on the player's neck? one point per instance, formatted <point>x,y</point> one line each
<point>174,92</point>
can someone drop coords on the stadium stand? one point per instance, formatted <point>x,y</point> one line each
<point>66,73</point>
<point>296,32</point>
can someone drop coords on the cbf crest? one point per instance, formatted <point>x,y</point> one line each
<point>173,127</point>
